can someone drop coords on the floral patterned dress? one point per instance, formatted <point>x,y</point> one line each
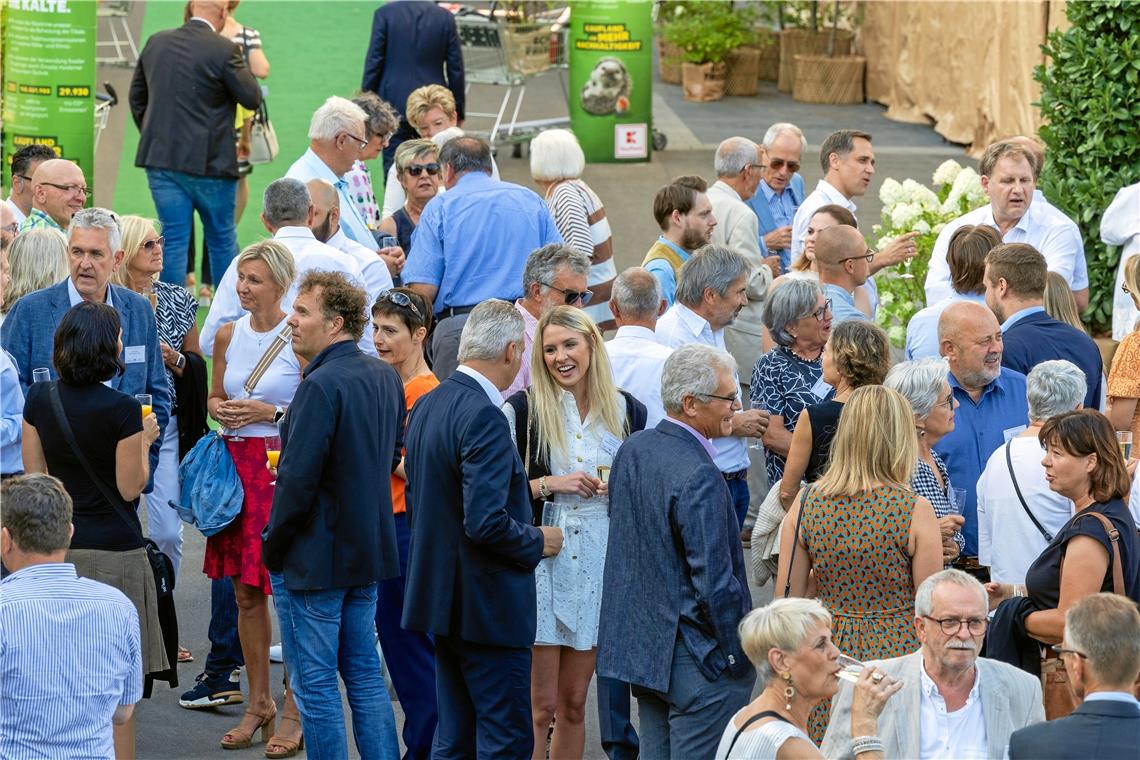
<point>785,384</point>
<point>858,551</point>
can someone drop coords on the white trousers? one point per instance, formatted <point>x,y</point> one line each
<point>163,523</point>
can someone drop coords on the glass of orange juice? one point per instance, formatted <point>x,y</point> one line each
<point>144,400</point>
<point>273,453</point>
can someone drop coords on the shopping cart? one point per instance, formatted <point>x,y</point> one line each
<point>104,102</point>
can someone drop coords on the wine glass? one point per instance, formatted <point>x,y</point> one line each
<point>273,453</point>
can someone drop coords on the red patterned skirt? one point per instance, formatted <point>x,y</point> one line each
<point>236,551</point>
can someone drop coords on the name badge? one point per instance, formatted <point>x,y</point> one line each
<point>1012,432</point>
<point>610,444</point>
<point>134,355</point>
<point>821,389</point>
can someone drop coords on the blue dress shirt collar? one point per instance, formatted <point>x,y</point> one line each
<point>1015,317</point>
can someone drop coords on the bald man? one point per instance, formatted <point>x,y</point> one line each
<point>59,189</point>
<point>990,403</point>
<point>844,263</point>
<point>325,224</point>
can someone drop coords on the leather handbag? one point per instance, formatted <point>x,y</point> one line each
<point>262,137</point>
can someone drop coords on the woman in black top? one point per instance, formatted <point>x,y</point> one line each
<point>419,174</point>
<point>857,353</point>
<point>1083,462</point>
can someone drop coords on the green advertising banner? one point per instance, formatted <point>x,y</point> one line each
<point>611,78</point>
<point>49,79</point>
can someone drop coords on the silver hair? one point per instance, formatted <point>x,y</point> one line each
<point>692,370</point>
<point>637,293</point>
<point>337,115</point>
<point>96,218</point>
<point>924,597</point>
<point>792,300</point>
<point>782,624</point>
<point>542,264</point>
<point>920,382</point>
<point>555,154</point>
<point>1106,628</point>
<point>712,266</point>
<point>491,327</point>
<point>380,117</point>
<point>286,200</point>
<point>733,156</point>
<point>1054,387</point>
<point>784,128</point>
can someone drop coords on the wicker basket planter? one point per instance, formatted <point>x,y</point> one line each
<point>770,61</point>
<point>702,82</point>
<point>743,71</point>
<point>669,62</point>
<point>795,42</point>
<point>820,79</point>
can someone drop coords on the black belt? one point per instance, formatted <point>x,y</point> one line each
<point>7,475</point>
<point>453,311</point>
<point>738,475</point>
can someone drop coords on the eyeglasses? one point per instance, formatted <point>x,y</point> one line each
<point>359,140</point>
<point>776,164</point>
<point>571,296</point>
<point>948,402</point>
<point>70,189</point>
<point>821,313</point>
<point>951,626</point>
<point>400,299</point>
<point>729,399</point>
<point>13,228</point>
<point>1059,649</point>
<point>24,177</point>
<point>417,169</point>
<point>150,244</point>
<point>868,257</point>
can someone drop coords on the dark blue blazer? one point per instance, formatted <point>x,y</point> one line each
<point>29,335</point>
<point>331,525</point>
<point>412,41</point>
<point>1095,729</point>
<point>674,566</point>
<point>1037,338</point>
<point>473,549</point>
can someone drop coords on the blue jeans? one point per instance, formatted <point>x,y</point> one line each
<point>225,647</point>
<point>739,490</point>
<point>176,197</point>
<point>323,632</point>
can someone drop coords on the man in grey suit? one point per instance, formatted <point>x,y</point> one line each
<point>1101,651</point>
<point>675,587</point>
<point>953,704</point>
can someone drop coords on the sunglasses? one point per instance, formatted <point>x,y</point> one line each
<point>572,296</point>
<point>778,163</point>
<point>400,299</point>
<point>158,241</point>
<point>417,169</point>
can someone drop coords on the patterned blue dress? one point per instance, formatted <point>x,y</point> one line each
<point>785,384</point>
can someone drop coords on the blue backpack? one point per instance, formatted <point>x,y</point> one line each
<point>211,491</point>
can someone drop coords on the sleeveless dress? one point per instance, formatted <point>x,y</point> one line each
<point>824,420</point>
<point>858,550</point>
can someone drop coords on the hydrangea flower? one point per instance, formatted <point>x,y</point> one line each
<point>897,335</point>
<point>947,172</point>
<point>891,192</point>
<point>904,215</point>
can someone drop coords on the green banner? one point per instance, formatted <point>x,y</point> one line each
<point>611,79</point>
<point>49,79</point>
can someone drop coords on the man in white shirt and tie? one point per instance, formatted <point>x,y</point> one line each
<point>637,359</point>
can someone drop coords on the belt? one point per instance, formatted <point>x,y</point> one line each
<point>453,311</point>
<point>738,475</point>
<point>7,475</point>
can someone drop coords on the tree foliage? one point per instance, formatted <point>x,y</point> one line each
<point>1090,101</point>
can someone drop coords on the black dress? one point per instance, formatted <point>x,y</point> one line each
<point>404,230</point>
<point>824,420</point>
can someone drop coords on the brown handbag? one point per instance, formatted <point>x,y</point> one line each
<point>1059,698</point>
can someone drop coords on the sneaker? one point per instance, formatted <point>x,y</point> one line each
<point>213,691</point>
<point>275,654</point>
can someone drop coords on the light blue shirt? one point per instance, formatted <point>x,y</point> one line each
<point>664,273</point>
<point>842,305</point>
<point>1014,318</point>
<point>922,330</point>
<point>11,416</point>
<point>473,241</point>
<point>783,210</point>
<point>310,166</point>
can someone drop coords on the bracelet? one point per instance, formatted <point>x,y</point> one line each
<point>543,491</point>
<point>866,744</point>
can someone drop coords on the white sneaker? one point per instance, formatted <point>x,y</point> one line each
<point>275,654</point>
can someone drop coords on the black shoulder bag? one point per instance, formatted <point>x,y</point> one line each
<point>795,540</point>
<point>758,716</point>
<point>1009,464</point>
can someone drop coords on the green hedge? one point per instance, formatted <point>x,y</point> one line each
<point>1090,101</point>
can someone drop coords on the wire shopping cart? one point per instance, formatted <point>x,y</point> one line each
<point>103,105</point>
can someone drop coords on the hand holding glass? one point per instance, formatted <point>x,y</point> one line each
<point>145,401</point>
<point>273,454</point>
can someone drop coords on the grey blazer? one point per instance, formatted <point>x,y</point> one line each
<point>1011,699</point>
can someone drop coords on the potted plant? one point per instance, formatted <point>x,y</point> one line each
<point>800,34</point>
<point>706,34</point>
<point>743,75</point>
<point>668,54</point>
<point>829,78</point>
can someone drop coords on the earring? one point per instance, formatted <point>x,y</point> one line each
<point>789,691</point>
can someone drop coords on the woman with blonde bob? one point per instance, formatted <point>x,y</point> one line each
<point>862,536</point>
<point>36,259</point>
<point>568,426</point>
<point>789,643</point>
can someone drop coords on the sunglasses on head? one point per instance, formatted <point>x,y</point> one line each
<point>779,163</point>
<point>400,299</point>
<point>417,169</point>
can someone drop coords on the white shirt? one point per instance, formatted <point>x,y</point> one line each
<point>310,166</point>
<point>308,254</point>
<point>1134,501</point>
<point>824,194</point>
<point>1008,542</point>
<point>1041,226</point>
<point>16,212</point>
<point>679,326</point>
<point>960,735</point>
<point>493,393</point>
<point>1120,225</point>
<point>638,360</point>
<point>375,272</point>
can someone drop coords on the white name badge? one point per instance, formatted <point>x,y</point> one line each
<point>1012,432</point>
<point>821,389</point>
<point>134,354</point>
<point>610,444</point>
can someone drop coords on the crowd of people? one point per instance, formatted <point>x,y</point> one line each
<point>435,447</point>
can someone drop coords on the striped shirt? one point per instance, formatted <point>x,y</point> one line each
<point>69,655</point>
<point>580,217</point>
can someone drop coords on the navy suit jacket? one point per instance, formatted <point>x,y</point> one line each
<point>473,549</point>
<point>29,335</point>
<point>331,525</point>
<point>1100,728</point>
<point>674,552</point>
<point>412,41</point>
<point>1037,338</point>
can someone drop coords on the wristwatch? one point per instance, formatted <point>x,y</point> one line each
<point>278,413</point>
<point>180,362</point>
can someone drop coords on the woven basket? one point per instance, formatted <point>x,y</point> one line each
<point>743,71</point>
<point>770,62</point>
<point>669,62</point>
<point>527,48</point>
<point>795,42</point>
<point>820,79</point>
<point>702,82</point>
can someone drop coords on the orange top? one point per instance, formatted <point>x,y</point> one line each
<point>414,388</point>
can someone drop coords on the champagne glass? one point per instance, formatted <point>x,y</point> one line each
<point>850,668</point>
<point>145,401</point>
<point>604,473</point>
<point>41,375</point>
<point>1124,439</point>
<point>756,444</point>
<point>240,395</point>
<point>273,453</point>
<point>957,499</point>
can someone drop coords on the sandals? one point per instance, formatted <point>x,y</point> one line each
<point>238,738</point>
<point>290,746</point>
<point>184,655</point>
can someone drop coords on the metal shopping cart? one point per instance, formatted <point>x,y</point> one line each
<point>104,102</point>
